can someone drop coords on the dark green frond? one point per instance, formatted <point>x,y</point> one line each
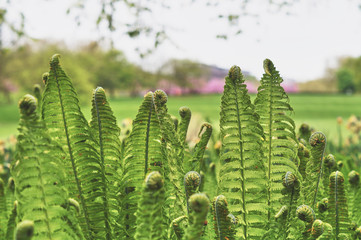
<point>242,178</point>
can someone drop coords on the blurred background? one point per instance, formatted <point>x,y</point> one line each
<point>186,48</point>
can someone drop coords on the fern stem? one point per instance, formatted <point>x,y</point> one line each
<point>336,205</point>
<point>72,158</point>
<point>105,190</point>
<point>269,153</point>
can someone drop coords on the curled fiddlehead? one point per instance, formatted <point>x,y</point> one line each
<point>338,213</point>
<point>24,230</point>
<point>317,228</point>
<point>305,213</point>
<point>199,205</point>
<point>191,182</point>
<point>223,220</point>
<point>282,213</point>
<point>178,226</point>
<point>185,114</point>
<point>322,205</point>
<point>314,169</point>
<point>149,213</point>
<point>354,196</point>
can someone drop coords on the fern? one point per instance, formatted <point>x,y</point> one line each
<point>306,214</point>
<point>327,232</point>
<point>197,161</point>
<point>178,227</point>
<point>185,114</point>
<point>143,154</point>
<point>24,230</point>
<point>10,228</point>
<point>337,212</point>
<point>149,215</point>
<point>106,134</point>
<point>191,183</point>
<point>222,221</point>
<point>174,152</point>
<point>304,156</point>
<point>280,145</point>
<point>39,178</point>
<point>199,205</point>
<point>313,181</point>
<point>242,177</point>
<point>329,166</point>
<point>354,197</point>
<point>3,210</point>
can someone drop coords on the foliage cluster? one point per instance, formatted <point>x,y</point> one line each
<point>73,179</point>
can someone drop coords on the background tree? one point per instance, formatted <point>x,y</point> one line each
<point>345,81</point>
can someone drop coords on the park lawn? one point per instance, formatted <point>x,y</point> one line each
<point>320,111</point>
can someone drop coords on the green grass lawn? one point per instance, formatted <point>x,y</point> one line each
<point>320,111</point>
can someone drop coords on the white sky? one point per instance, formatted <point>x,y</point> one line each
<point>301,45</point>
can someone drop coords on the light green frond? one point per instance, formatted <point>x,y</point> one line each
<point>280,145</point>
<point>106,136</point>
<point>150,219</point>
<point>67,126</point>
<point>199,205</point>
<point>337,212</point>
<point>185,114</point>
<point>224,226</point>
<point>197,162</point>
<point>174,152</point>
<point>143,154</point>
<point>314,169</point>
<point>40,179</point>
<point>242,178</point>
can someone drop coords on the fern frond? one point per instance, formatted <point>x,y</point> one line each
<point>242,178</point>
<point>222,221</point>
<point>304,156</point>
<point>199,205</point>
<point>327,232</point>
<point>314,168</point>
<point>337,212</point>
<point>174,152</point>
<point>280,145</point>
<point>39,177</point>
<point>191,183</point>
<point>317,228</point>
<point>38,95</point>
<point>11,224</point>
<point>106,136</point>
<point>354,195</point>
<point>197,162</point>
<point>143,153</point>
<point>149,215</point>
<point>68,126</point>
<point>185,114</point>
<point>329,166</point>
<point>178,226</point>
<point>24,230</point>
<point>3,209</point>
<point>306,214</point>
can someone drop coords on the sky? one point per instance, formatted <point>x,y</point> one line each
<point>302,44</point>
